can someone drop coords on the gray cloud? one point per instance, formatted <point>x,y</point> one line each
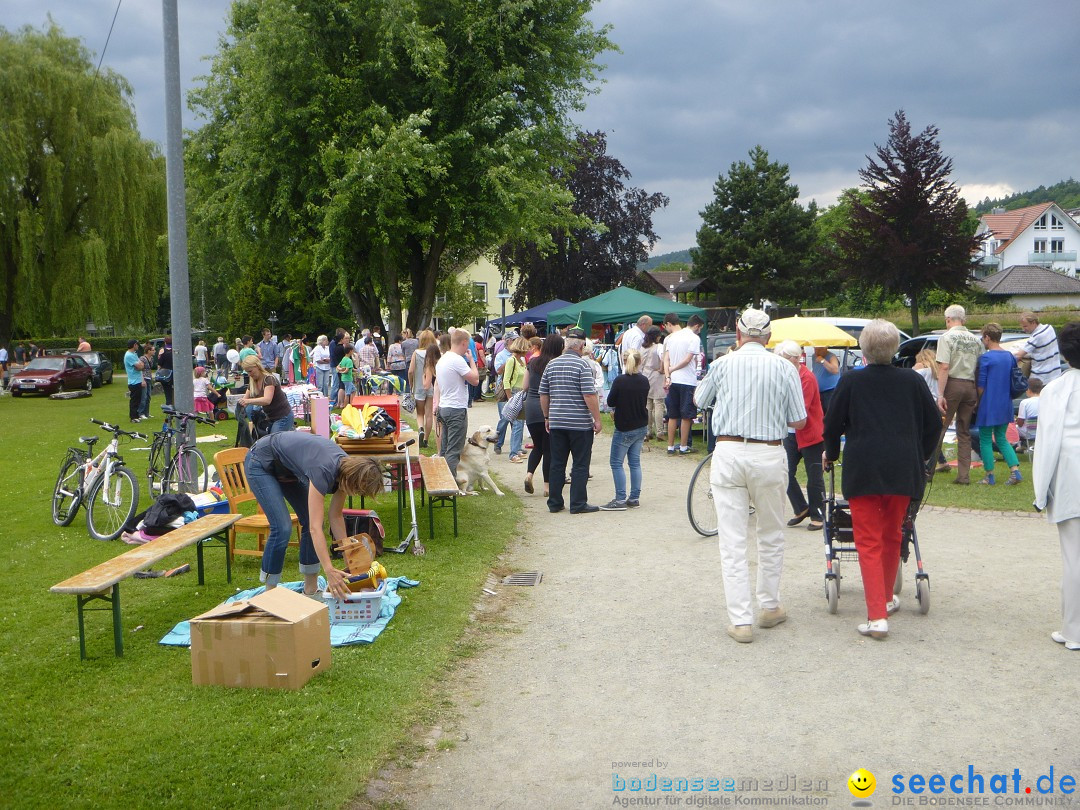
<point>699,82</point>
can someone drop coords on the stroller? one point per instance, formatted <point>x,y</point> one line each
<point>219,400</point>
<point>840,545</point>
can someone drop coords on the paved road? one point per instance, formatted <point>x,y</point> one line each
<point>620,668</point>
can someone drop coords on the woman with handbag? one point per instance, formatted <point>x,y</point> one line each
<point>265,390</point>
<point>534,414</point>
<point>164,373</point>
<point>422,383</point>
<point>993,381</point>
<point>513,379</point>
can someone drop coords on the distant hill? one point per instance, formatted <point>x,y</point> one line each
<point>1066,194</point>
<point>665,258</point>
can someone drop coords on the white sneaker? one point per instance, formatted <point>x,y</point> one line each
<point>878,628</point>
<point>318,596</point>
<point>893,605</point>
<point>1060,639</point>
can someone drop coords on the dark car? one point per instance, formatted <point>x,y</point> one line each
<point>102,367</point>
<point>718,343</point>
<point>51,375</point>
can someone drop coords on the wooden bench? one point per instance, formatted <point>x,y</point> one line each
<point>99,581</point>
<point>440,486</point>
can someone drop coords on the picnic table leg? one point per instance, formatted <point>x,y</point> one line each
<point>455,515</point>
<point>118,631</point>
<point>431,516</point>
<point>79,601</point>
<point>199,555</point>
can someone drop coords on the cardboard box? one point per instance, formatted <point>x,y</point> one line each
<point>279,639</point>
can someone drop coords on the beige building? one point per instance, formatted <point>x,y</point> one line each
<point>486,280</point>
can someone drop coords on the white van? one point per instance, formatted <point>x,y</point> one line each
<point>854,326</point>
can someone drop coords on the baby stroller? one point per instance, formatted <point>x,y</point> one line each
<point>840,545</point>
<point>219,400</point>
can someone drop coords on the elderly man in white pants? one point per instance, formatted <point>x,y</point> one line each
<point>756,397</point>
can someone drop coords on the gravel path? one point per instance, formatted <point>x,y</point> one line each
<point>618,667</point>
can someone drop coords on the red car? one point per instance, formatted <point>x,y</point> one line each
<point>50,375</point>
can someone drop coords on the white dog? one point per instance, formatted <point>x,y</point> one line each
<point>473,464</point>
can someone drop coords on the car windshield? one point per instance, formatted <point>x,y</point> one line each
<point>46,364</point>
<point>89,357</point>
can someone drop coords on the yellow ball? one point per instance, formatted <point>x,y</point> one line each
<point>862,783</point>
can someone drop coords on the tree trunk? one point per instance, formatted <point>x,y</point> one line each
<point>393,295</point>
<point>424,271</point>
<point>915,315</point>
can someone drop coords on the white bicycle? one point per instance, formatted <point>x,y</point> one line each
<point>107,487</point>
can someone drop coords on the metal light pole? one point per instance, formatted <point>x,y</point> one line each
<point>179,294</point>
<point>273,319</point>
<point>502,295</point>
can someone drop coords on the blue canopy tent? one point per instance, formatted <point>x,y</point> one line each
<point>537,314</point>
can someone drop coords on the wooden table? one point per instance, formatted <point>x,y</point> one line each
<point>99,581</point>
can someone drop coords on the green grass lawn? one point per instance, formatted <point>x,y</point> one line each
<point>133,731</point>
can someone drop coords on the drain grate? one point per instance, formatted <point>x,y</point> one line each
<point>524,578</point>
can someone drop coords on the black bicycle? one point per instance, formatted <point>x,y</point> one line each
<point>183,471</point>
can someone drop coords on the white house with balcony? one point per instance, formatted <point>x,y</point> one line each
<point>1037,236</point>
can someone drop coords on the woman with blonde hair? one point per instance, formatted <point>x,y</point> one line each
<point>926,365</point>
<point>421,384</point>
<point>513,379</point>
<point>265,391</point>
<point>628,398</point>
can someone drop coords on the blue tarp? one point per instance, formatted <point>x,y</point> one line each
<point>341,635</point>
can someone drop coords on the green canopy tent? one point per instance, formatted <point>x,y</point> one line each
<point>622,305</point>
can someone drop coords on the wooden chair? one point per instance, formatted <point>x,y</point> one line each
<point>230,468</point>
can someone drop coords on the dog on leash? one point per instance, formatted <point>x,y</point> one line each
<point>472,468</point>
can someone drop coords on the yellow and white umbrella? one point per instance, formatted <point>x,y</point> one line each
<point>809,332</point>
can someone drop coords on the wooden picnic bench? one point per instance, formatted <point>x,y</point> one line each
<point>439,483</point>
<point>103,580</point>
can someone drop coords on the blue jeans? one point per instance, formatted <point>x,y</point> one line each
<point>322,380</point>
<point>517,433</point>
<point>283,424</point>
<point>272,496</point>
<point>627,444</point>
<point>335,383</point>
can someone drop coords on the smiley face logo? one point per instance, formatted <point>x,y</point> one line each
<point>862,784</point>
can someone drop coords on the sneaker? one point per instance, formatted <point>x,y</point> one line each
<point>498,450</point>
<point>317,596</point>
<point>1060,639</point>
<point>772,617</point>
<point>587,509</point>
<point>1014,478</point>
<point>742,633</point>
<point>614,506</point>
<point>671,451</point>
<point>878,628</point>
<point>893,605</point>
<point>633,503</point>
<point>685,451</point>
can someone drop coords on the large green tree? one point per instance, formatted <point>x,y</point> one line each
<point>908,234</point>
<point>378,135</point>
<point>603,250</point>
<point>755,238</point>
<point>82,196</point>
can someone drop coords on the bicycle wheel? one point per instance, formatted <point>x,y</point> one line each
<point>154,467</point>
<point>699,500</point>
<point>112,504</point>
<point>186,473</point>
<point>67,494</point>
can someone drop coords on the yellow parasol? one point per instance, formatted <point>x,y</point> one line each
<point>809,332</point>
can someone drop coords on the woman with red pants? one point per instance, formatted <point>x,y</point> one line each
<point>891,424</point>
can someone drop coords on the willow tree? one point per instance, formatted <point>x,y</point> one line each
<point>380,135</point>
<point>82,196</point>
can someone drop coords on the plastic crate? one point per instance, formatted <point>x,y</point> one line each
<point>362,607</point>
<point>216,508</point>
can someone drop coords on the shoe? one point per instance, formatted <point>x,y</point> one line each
<point>498,450</point>
<point>958,482</point>
<point>137,419</point>
<point>799,518</point>
<point>423,439</point>
<point>671,451</point>
<point>772,617</point>
<point>878,628</point>
<point>554,509</point>
<point>517,459</point>
<point>815,526</point>
<point>686,452</point>
<point>988,479</point>
<point>528,484</point>
<point>1014,478</point>
<point>587,509</point>
<point>317,596</point>
<point>946,467</point>
<point>893,605</point>
<point>1060,639</point>
<point>633,503</point>
<point>742,633</point>
<point>614,506</point>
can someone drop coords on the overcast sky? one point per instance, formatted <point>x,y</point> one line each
<point>700,82</point>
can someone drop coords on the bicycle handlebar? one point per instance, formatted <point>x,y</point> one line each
<point>171,412</point>
<point>117,430</point>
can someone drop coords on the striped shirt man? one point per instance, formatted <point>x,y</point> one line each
<point>753,393</point>
<point>1042,348</point>
<point>567,380</point>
